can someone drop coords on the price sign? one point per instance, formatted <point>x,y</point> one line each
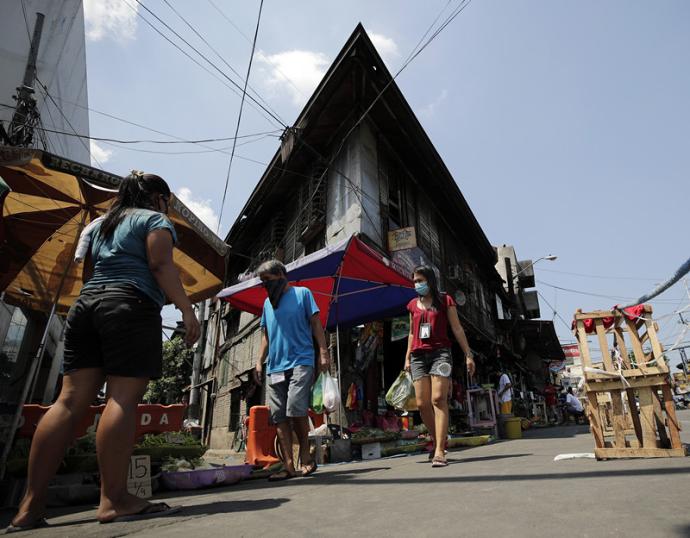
<point>139,477</point>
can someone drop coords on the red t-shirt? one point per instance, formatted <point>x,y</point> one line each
<point>550,395</point>
<point>439,325</point>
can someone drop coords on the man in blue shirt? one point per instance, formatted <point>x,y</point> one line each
<point>289,323</point>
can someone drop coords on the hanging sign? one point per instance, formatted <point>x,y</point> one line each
<point>401,239</point>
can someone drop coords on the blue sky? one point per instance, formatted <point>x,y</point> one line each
<point>565,124</point>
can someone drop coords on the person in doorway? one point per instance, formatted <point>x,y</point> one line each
<point>505,393</point>
<point>573,406</point>
<point>429,357</point>
<point>551,401</point>
<point>113,334</point>
<point>289,323</point>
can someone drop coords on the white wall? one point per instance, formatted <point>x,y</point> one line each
<point>61,67</point>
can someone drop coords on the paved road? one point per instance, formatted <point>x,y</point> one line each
<point>511,488</point>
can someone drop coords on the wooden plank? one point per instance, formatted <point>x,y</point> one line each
<point>594,420</point>
<point>618,418</point>
<point>673,426</point>
<point>620,340</point>
<point>656,346</point>
<point>634,414</point>
<point>604,347</point>
<point>613,453</point>
<point>611,383</point>
<point>664,441</point>
<point>647,420</point>
<point>635,342</point>
<point>584,346</point>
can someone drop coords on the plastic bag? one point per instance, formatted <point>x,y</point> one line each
<point>317,395</point>
<point>331,393</point>
<point>401,391</point>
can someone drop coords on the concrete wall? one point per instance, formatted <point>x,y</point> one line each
<point>61,67</point>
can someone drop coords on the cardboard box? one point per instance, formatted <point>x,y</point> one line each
<point>371,451</point>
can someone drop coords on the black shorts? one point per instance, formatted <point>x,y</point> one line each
<point>117,329</point>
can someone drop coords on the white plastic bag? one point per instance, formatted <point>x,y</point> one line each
<point>331,394</point>
<point>401,391</point>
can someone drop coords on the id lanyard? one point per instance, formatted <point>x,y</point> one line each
<point>424,326</point>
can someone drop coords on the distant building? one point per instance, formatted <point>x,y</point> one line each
<point>62,105</point>
<point>388,184</point>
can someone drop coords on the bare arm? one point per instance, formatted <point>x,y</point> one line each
<point>159,249</point>
<point>319,334</point>
<point>87,270</point>
<point>461,337</point>
<point>263,352</point>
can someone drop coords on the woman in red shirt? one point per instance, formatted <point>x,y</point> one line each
<point>429,358</point>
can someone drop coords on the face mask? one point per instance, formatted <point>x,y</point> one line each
<point>422,288</point>
<point>275,290</point>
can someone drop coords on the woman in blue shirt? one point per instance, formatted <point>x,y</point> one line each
<point>113,335</point>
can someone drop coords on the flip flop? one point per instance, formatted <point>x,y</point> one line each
<point>280,476</point>
<point>149,511</point>
<point>38,524</point>
<point>439,462</point>
<point>311,468</point>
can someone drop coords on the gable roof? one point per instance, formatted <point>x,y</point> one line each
<point>352,82</point>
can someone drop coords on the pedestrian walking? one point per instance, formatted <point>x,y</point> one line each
<point>290,323</point>
<point>505,392</point>
<point>113,335</point>
<point>429,358</point>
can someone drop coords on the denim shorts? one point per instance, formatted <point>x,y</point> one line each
<point>290,398</point>
<point>438,362</point>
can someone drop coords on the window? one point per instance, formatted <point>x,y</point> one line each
<point>15,335</point>
<point>235,402</point>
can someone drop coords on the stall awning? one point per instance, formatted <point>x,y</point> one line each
<point>48,201</point>
<point>351,283</point>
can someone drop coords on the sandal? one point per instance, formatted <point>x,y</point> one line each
<point>280,476</point>
<point>439,462</point>
<point>149,511</point>
<point>38,524</point>
<point>310,468</point>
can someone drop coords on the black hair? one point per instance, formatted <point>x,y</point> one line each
<point>135,191</point>
<point>428,273</point>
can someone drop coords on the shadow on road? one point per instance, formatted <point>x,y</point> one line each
<point>556,432</point>
<point>486,458</point>
<point>519,477</point>
<point>198,510</point>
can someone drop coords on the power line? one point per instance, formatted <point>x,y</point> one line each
<point>555,312</point>
<point>218,54</point>
<point>214,75</point>
<point>599,276</point>
<point>614,297</point>
<point>248,39</point>
<point>270,113</point>
<point>224,150</point>
<point>239,115</point>
<point>118,141</point>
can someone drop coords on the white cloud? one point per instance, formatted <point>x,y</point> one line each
<point>99,154</point>
<point>201,208</point>
<point>387,48</point>
<point>429,110</point>
<point>110,18</point>
<point>296,71</point>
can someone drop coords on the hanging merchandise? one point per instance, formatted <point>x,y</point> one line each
<point>317,395</point>
<point>400,328</point>
<point>331,394</point>
<point>401,391</point>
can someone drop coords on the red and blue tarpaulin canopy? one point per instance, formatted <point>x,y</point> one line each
<point>351,283</point>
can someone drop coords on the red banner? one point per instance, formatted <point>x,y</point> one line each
<point>571,351</point>
<point>151,418</point>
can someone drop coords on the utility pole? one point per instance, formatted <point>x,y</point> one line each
<point>194,407</point>
<point>21,129</point>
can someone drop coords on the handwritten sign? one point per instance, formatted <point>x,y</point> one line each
<point>401,239</point>
<point>139,477</point>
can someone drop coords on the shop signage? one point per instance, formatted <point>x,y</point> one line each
<point>400,328</point>
<point>571,351</point>
<point>151,418</point>
<point>139,477</point>
<point>401,239</point>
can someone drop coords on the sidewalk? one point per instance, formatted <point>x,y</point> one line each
<point>511,488</point>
